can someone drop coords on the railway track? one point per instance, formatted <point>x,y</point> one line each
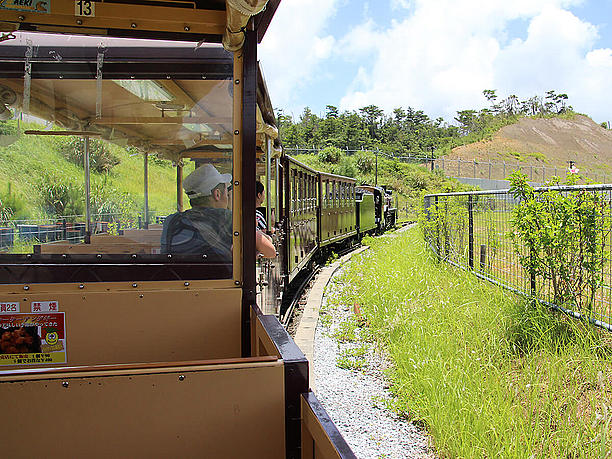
<point>299,287</point>
<point>296,293</point>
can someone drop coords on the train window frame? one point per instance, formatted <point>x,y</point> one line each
<point>294,197</point>
<point>122,63</point>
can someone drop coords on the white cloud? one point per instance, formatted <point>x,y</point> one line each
<point>295,44</point>
<point>400,4</point>
<point>442,56</point>
<point>435,55</point>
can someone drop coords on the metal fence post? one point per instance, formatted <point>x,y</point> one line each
<point>532,278</point>
<point>489,169</point>
<point>470,232</point>
<point>483,257</point>
<point>437,227</point>
<point>474,172</point>
<point>458,167</point>
<point>504,177</point>
<point>64,230</point>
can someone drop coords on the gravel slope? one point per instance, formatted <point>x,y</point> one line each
<point>355,399</point>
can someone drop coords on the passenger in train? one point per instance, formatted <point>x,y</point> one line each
<point>263,242</point>
<point>206,228</point>
<point>259,199</point>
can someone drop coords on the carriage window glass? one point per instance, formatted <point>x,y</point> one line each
<point>334,193</point>
<point>301,191</point>
<point>312,188</point>
<point>113,106</point>
<point>337,193</point>
<point>293,190</point>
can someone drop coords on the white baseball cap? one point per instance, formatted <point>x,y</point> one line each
<point>201,181</point>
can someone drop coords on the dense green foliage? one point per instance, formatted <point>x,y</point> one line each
<point>485,372</point>
<point>410,131</point>
<point>100,157</point>
<point>562,237</point>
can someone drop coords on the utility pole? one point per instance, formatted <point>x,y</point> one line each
<point>376,176</point>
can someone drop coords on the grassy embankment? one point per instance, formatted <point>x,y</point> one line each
<point>33,163</point>
<point>485,372</point>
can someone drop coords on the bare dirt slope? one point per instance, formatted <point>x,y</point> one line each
<point>548,143</point>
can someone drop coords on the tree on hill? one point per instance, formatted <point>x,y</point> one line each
<point>408,131</point>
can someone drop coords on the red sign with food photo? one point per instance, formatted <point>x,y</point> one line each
<point>35,338</point>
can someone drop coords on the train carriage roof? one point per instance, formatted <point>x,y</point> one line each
<point>196,81</point>
<point>210,21</point>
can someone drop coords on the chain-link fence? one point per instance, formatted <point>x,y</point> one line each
<point>478,231</point>
<point>495,170</point>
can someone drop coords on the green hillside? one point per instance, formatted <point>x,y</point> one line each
<point>38,180</point>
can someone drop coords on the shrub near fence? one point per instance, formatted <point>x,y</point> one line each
<point>551,243</point>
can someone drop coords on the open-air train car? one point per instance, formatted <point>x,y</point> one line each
<point>112,347</point>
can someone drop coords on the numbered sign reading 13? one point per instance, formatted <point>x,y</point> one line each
<point>84,8</point>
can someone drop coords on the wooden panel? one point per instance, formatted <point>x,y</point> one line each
<point>125,16</point>
<point>151,236</point>
<point>206,413</point>
<point>320,437</point>
<point>262,344</point>
<point>146,326</point>
<point>99,246</point>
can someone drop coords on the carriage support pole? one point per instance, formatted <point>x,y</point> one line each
<point>87,190</point>
<point>146,190</point>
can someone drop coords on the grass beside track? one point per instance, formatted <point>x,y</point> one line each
<point>487,373</point>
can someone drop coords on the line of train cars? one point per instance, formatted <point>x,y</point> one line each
<point>318,212</point>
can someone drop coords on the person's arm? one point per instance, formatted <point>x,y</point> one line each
<point>264,245</point>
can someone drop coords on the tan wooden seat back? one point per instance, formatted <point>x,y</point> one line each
<point>134,325</point>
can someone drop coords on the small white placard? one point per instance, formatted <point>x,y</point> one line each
<point>85,8</point>
<point>45,306</point>
<point>9,308</point>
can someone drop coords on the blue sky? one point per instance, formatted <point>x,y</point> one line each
<point>438,55</point>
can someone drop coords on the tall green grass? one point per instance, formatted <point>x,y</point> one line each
<point>487,373</point>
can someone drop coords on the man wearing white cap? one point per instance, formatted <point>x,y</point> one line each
<point>206,228</point>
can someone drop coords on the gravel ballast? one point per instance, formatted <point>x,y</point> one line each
<point>355,398</point>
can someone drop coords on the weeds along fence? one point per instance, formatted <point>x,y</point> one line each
<point>564,264</point>
<point>18,235</point>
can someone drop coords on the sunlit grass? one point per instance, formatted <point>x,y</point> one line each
<point>488,373</point>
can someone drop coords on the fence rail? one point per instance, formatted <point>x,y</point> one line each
<point>495,170</point>
<point>72,228</point>
<point>473,230</point>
